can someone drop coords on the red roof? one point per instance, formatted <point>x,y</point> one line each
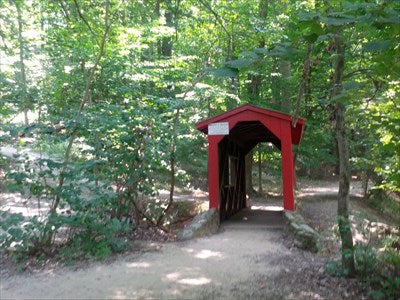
<point>250,112</point>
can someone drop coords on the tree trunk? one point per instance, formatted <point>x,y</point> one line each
<point>303,83</point>
<point>344,185</point>
<point>286,103</point>
<point>166,44</point>
<point>21,43</point>
<point>230,45</point>
<point>158,44</point>
<point>84,100</point>
<point>365,181</point>
<point>48,238</point>
<point>254,90</point>
<point>249,173</point>
<point>377,193</point>
<point>307,95</point>
<point>275,85</point>
<point>300,92</point>
<point>254,86</point>
<point>344,171</point>
<point>263,13</point>
<point>173,150</point>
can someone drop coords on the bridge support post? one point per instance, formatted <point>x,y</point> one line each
<point>287,169</point>
<point>213,170</point>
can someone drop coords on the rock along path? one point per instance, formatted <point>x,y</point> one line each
<point>246,258</point>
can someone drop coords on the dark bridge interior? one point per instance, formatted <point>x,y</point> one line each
<point>233,148</point>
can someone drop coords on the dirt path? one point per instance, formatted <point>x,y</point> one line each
<point>250,257</point>
<point>247,258</point>
<point>196,269</point>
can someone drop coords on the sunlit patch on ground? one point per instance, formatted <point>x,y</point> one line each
<point>139,265</point>
<point>12,152</point>
<point>367,231</point>
<point>176,276</point>
<point>139,294</point>
<point>195,281</point>
<point>330,188</point>
<point>311,191</point>
<point>204,254</point>
<point>267,207</point>
<point>119,295</point>
<point>173,276</point>
<point>15,203</point>
<point>195,195</point>
<point>20,118</point>
<point>307,295</point>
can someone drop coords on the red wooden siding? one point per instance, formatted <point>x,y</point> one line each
<point>248,126</point>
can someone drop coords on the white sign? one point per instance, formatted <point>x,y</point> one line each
<point>218,128</point>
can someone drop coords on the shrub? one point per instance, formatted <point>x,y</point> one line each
<point>90,194</point>
<point>365,258</point>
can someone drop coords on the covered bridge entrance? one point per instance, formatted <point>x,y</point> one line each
<point>231,136</point>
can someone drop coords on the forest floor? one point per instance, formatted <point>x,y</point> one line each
<point>240,261</point>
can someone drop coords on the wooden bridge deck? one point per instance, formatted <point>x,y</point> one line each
<point>256,219</point>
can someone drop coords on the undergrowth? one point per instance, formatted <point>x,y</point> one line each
<point>377,260</point>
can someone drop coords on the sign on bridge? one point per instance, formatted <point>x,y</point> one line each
<point>221,128</point>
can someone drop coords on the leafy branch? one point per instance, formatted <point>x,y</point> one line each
<point>83,18</point>
<point>304,78</point>
<point>82,104</point>
<point>197,79</point>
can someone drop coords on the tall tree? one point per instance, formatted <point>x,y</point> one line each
<point>343,152</point>
<point>166,45</point>
<point>84,100</point>
<point>254,89</point>
<point>285,101</point>
<point>21,42</point>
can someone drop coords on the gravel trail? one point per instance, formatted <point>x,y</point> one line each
<point>242,260</point>
<point>250,257</point>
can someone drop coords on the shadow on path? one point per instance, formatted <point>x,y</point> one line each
<point>254,219</point>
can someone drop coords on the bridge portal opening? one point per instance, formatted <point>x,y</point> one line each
<point>231,136</point>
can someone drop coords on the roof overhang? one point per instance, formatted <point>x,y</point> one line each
<point>296,132</point>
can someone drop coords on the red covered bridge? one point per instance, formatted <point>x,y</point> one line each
<point>231,136</point>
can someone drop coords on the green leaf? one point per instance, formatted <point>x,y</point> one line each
<point>337,21</point>
<point>16,233</point>
<point>224,72</point>
<point>251,54</point>
<point>324,37</point>
<point>316,28</point>
<point>341,98</point>
<point>311,38</point>
<point>279,51</point>
<point>376,46</point>
<point>240,63</point>
<point>376,294</point>
<point>261,51</point>
<point>356,7</point>
<point>308,16</point>
<point>10,219</point>
<point>351,85</point>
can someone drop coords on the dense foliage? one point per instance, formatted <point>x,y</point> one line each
<point>115,88</point>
